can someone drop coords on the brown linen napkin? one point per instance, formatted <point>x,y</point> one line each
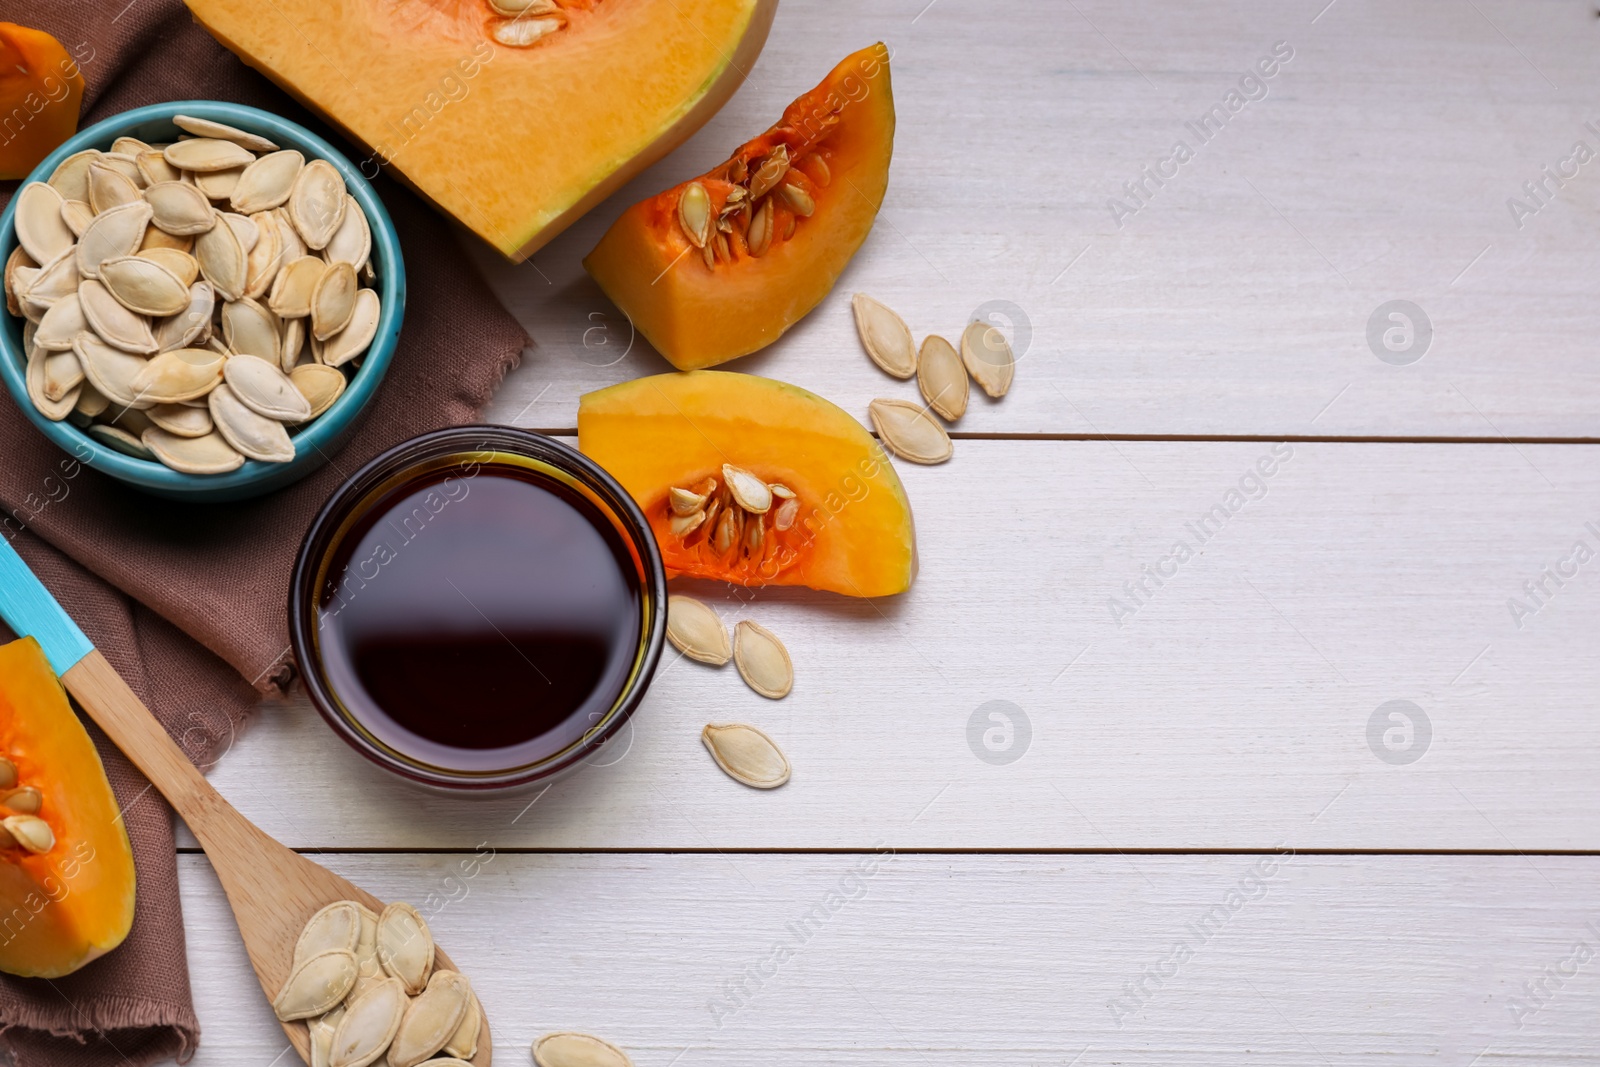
<point>139,573</point>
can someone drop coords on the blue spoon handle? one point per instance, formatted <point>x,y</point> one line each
<point>29,609</point>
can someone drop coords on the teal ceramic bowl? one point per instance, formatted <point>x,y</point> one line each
<point>315,442</point>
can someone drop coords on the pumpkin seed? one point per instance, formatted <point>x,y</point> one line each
<point>181,264</point>
<point>750,492</point>
<point>135,422</point>
<point>797,200</point>
<point>684,525</point>
<point>463,1044</point>
<point>154,237</point>
<point>316,986</point>
<point>264,389</point>
<point>77,215</point>
<point>987,356</point>
<point>71,176</point>
<point>786,513</point>
<point>942,378</point>
<point>110,370</point>
<point>320,385</point>
<point>885,336</point>
<point>26,801</point>
<point>249,432</point>
<point>35,377</point>
<point>316,204</point>
<point>747,755</point>
<point>367,953</point>
<point>353,340</point>
<point>762,660</point>
<point>179,209</point>
<point>570,1049</point>
<point>909,432</point>
<point>115,324</point>
<point>206,454</point>
<point>370,1022</point>
<point>187,327</point>
<point>290,297</point>
<point>181,420</point>
<point>207,155</point>
<point>513,8</point>
<point>267,182</point>
<point>333,300</point>
<point>18,260</point>
<point>221,256</point>
<point>31,832</point>
<point>293,246</point>
<point>60,326</point>
<point>696,631</point>
<point>431,1019</point>
<point>520,33</point>
<point>8,773</point>
<point>352,241</point>
<point>154,168</point>
<point>405,946</point>
<point>120,440</point>
<point>112,234</point>
<point>322,1029</point>
<point>684,502</point>
<point>770,172</point>
<point>250,330</point>
<point>124,163</point>
<point>336,927</point>
<point>221,131</point>
<point>758,238</point>
<point>41,231</point>
<point>292,345</point>
<point>56,279</point>
<point>62,373</point>
<point>694,213</point>
<point>144,286</point>
<point>128,146</point>
<point>109,188</point>
<point>727,532</point>
<point>179,375</point>
<point>91,401</point>
<point>266,257</point>
<point>217,184</point>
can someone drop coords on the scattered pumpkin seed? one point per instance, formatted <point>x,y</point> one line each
<point>762,660</point>
<point>696,631</point>
<point>942,378</point>
<point>568,1049</point>
<point>885,336</point>
<point>987,356</point>
<point>910,432</point>
<point>747,755</point>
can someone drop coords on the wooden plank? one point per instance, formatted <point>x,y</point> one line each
<point>1236,300</point>
<point>1229,707</point>
<point>1291,959</point>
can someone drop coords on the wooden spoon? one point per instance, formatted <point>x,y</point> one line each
<point>272,891</point>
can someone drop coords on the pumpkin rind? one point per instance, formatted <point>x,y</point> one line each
<point>698,315</point>
<point>855,533</point>
<point>73,903</point>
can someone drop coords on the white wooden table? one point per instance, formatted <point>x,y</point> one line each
<point>1204,851</point>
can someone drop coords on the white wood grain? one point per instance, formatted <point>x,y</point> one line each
<point>1392,961</point>
<point>1226,712</point>
<point>1377,167</point>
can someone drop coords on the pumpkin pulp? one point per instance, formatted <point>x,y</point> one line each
<point>847,526</point>
<point>786,213</point>
<point>41,89</point>
<point>514,141</point>
<point>66,889</point>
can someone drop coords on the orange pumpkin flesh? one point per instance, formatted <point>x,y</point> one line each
<point>851,530</point>
<point>73,902</point>
<point>41,89</point>
<point>703,304</point>
<point>515,142</point>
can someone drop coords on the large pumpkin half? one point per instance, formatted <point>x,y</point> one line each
<point>755,482</point>
<point>723,264</point>
<point>66,869</point>
<point>515,116</point>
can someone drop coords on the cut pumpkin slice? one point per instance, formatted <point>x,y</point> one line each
<point>755,482</point>
<point>515,116</point>
<point>41,89</point>
<point>66,869</point>
<point>723,264</point>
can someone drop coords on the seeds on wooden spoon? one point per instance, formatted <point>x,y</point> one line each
<point>463,1044</point>
<point>370,1022</point>
<point>762,660</point>
<point>942,378</point>
<point>431,1019</point>
<point>316,986</point>
<point>405,946</point>
<point>569,1049</point>
<point>335,928</point>
<point>885,336</point>
<point>747,755</point>
<point>694,629</point>
<point>910,432</point>
<point>987,356</point>
<point>322,1028</point>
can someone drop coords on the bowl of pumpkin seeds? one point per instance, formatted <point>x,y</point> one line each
<point>201,297</point>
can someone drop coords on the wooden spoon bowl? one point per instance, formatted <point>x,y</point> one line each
<point>272,890</point>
